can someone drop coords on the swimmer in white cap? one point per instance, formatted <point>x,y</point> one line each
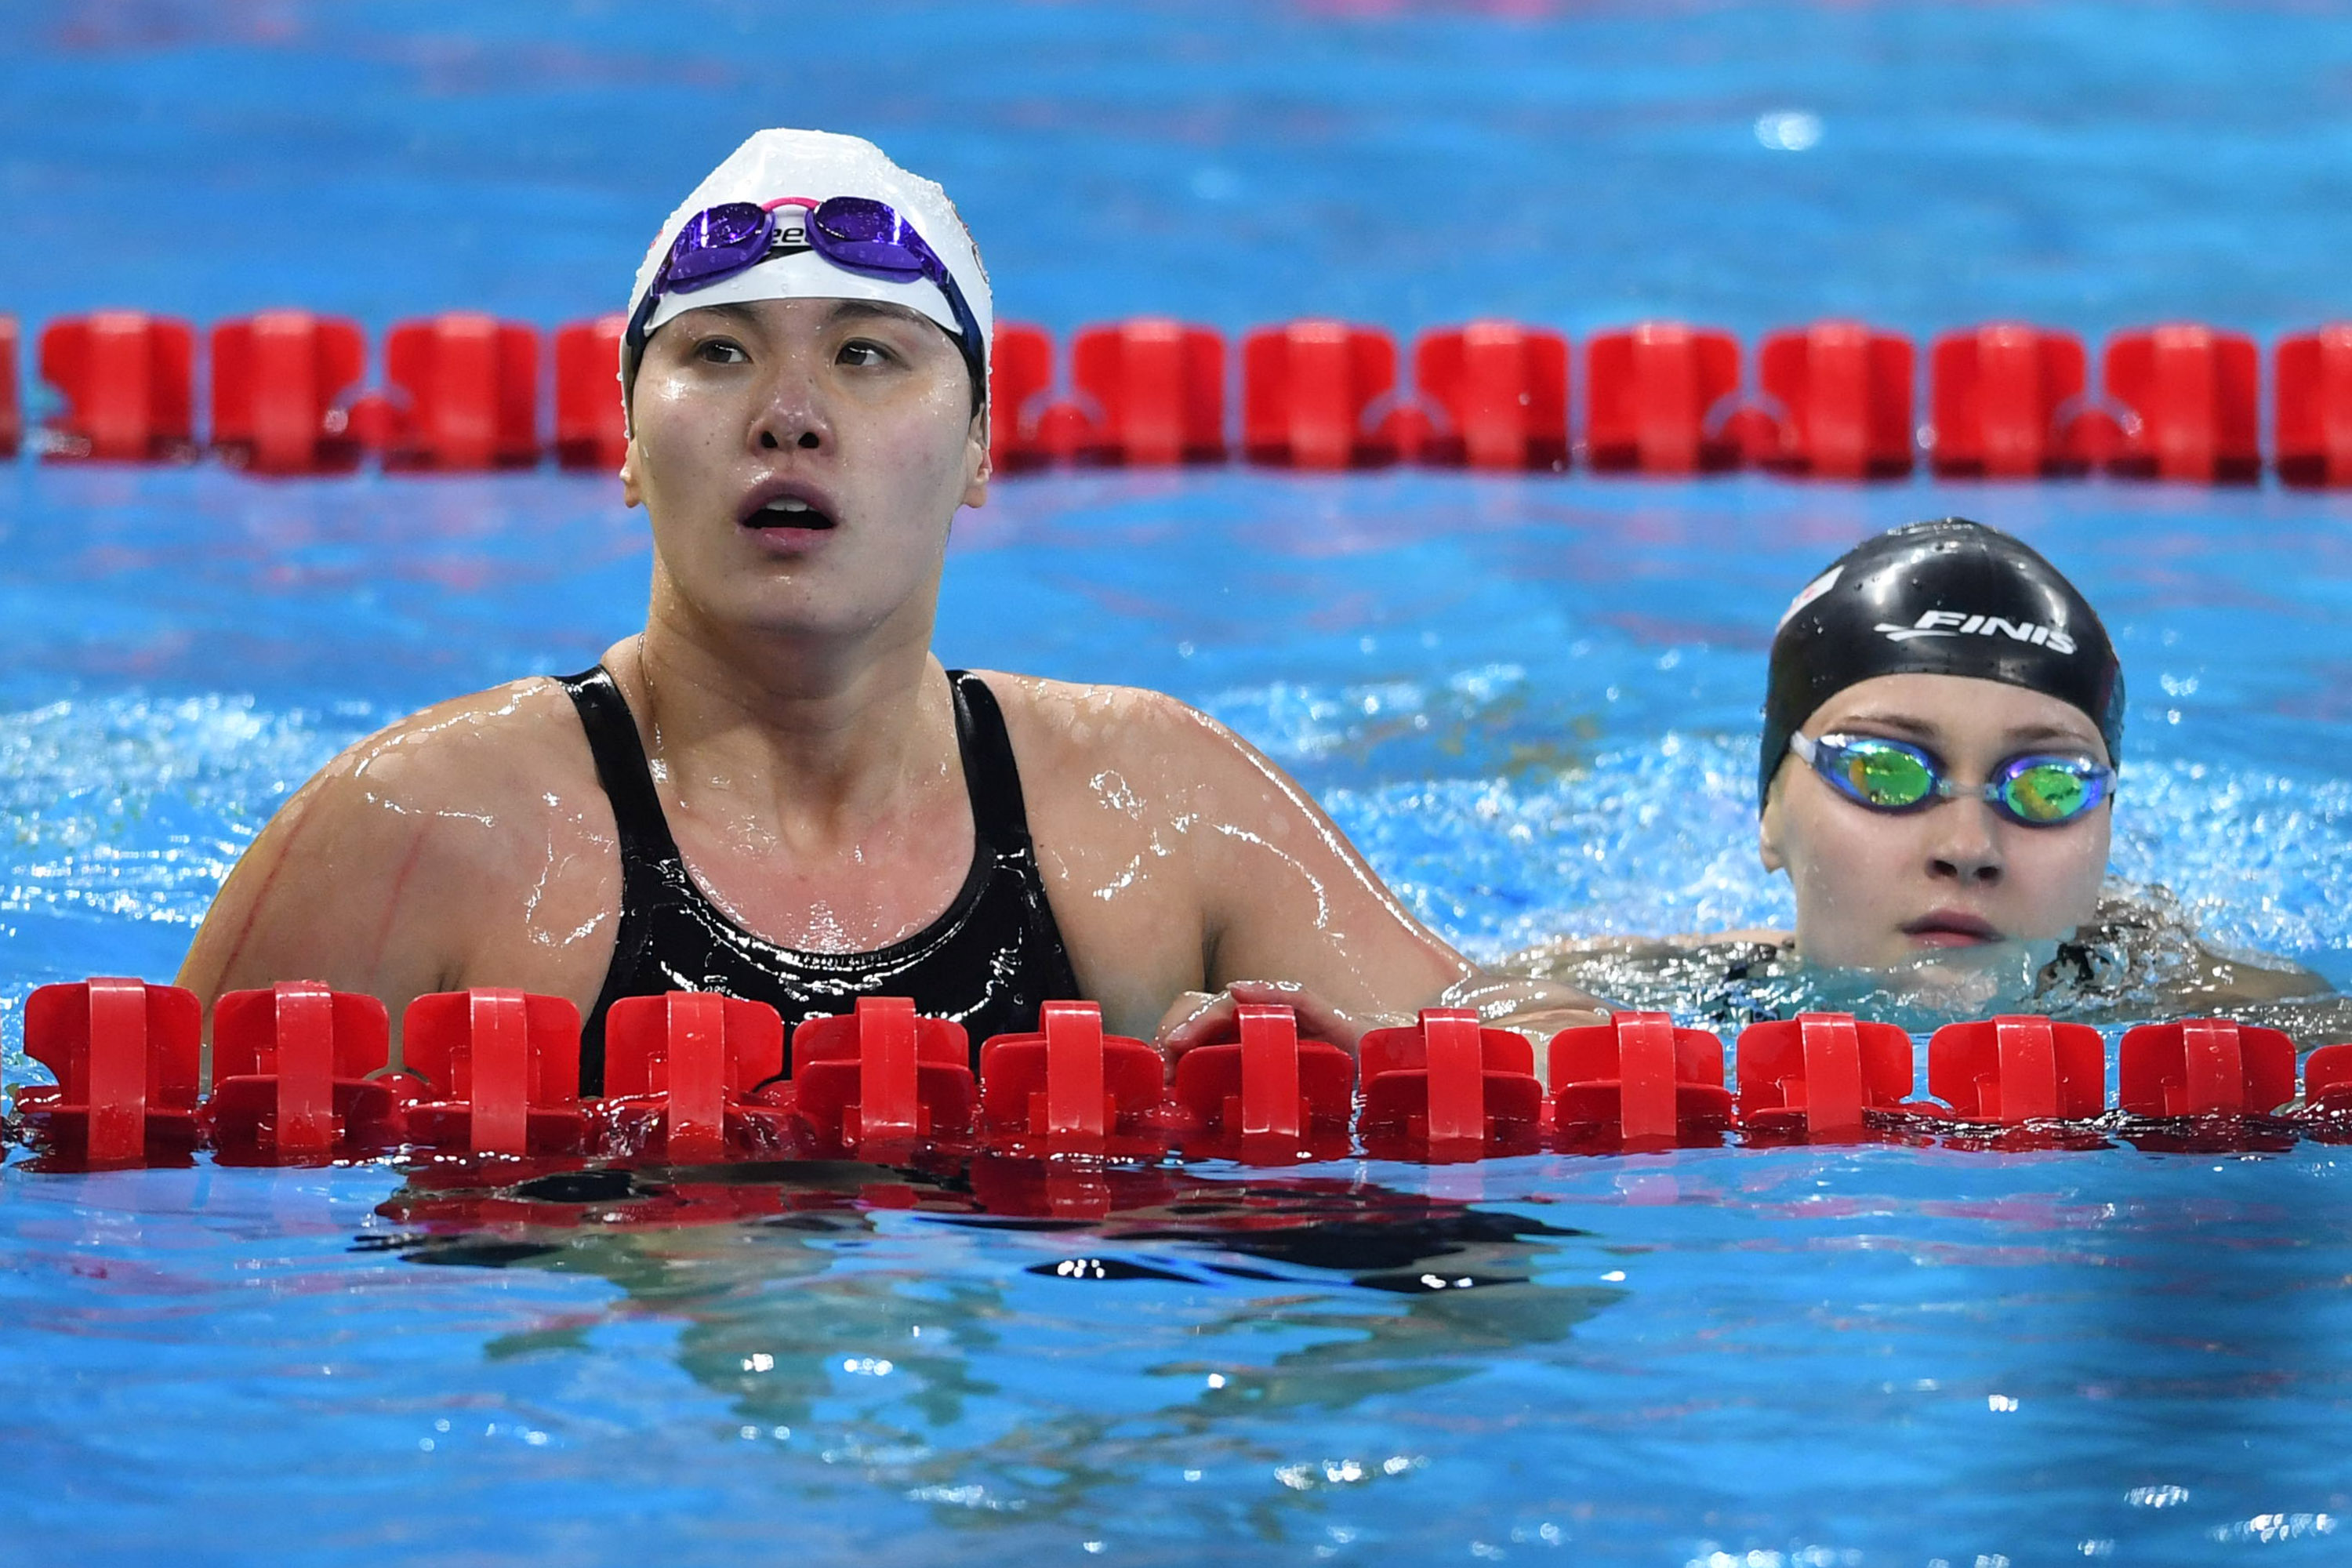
<point>774,789</point>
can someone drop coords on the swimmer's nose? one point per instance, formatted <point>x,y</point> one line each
<point>1965,849</point>
<point>794,416</point>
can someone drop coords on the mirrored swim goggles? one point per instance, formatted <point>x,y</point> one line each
<point>2037,789</point>
<point>856,233</point>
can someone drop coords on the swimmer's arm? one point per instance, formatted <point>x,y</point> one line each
<point>328,891</point>
<point>1292,912</point>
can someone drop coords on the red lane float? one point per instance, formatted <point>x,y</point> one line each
<point>1656,396</point>
<point>680,1072</point>
<point>1997,396</point>
<point>465,394</point>
<point>1020,375</point>
<point>1156,389</point>
<point>126,1056</point>
<point>1845,394</point>
<point>129,384</point>
<point>1069,1089</point>
<point>498,1073</point>
<point>491,1075</point>
<point>2015,1068</point>
<point>2328,1081</point>
<point>12,414</point>
<point>1445,1089</point>
<point>278,384</point>
<point>1639,1084</point>
<point>1308,392</point>
<point>290,1076</point>
<point>1265,1095</point>
<point>2204,1067</point>
<point>2190,394</point>
<point>2311,405</point>
<point>882,1078</point>
<point>1501,390</point>
<point>1816,1076</point>
<point>591,425</point>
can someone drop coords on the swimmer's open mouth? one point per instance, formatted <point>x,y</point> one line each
<point>785,505</point>
<point>1951,928</point>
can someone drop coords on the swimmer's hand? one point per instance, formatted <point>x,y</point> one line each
<point>1535,1008</point>
<point>1206,1018</point>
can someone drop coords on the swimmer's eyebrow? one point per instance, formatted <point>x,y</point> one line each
<point>2038,734</point>
<point>1902,723</point>
<point>1921,729</point>
<point>850,310</point>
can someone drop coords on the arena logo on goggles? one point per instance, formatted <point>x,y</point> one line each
<point>1952,624</point>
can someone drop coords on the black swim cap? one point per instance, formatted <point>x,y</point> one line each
<point>1948,597</point>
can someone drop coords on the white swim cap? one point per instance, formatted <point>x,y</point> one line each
<point>819,165</point>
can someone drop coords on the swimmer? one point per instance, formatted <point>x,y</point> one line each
<point>774,789</point>
<point>1942,722</point>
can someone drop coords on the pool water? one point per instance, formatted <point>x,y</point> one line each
<point>1532,702</point>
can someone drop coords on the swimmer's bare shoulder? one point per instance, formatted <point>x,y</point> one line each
<point>466,843</point>
<point>1178,857</point>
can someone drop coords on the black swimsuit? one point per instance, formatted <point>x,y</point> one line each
<point>988,963</point>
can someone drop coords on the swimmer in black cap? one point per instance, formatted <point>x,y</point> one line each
<point>1941,727</point>
<point>1943,718</point>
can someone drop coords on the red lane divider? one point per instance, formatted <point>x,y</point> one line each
<point>299,1077</point>
<point>279,380</point>
<point>1835,400</point>
<point>2204,1067</point>
<point>679,1076</point>
<point>1307,390</point>
<point>1656,398</point>
<point>12,407</point>
<point>1845,391</point>
<point>1815,1075</point>
<point>1020,375</point>
<point>2328,1081</point>
<point>2016,1068</point>
<point>1502,391</point>
<point>125,1054</point>
<point>2190,394</point>
<point>290,1076</point>
<point>590,429</point>
<point>498,1073</point>
<point>129,384</point>
<point>1998,394</point>
<point>881,1079</point>
<point>1265,1095</point>
<point>1638,1083</point>
<point>464,394</point>
<point>1445,1088</point>
<point>1158,390</point>
<point>1069,1089</point>
<point>2311,392</point>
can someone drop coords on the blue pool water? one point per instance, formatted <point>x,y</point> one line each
<point>1532,701</point>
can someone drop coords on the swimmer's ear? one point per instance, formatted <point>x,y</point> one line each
<point>1768,829</point>
<point>631,491</point>
<point>979,468</point>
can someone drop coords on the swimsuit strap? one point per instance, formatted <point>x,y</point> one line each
<point>652,870</point>
<point>1000,815</point>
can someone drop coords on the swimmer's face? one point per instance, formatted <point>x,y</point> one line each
<point>1875,889</point>
<point>800,460</point>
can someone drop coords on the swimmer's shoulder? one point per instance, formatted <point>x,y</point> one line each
<point>502,749</point>
<point>381,872</point>
<point>1063,728</point>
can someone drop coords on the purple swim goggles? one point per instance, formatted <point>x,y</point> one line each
<point>856,233</point>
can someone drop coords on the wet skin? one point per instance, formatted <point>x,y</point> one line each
<point>1874,889</point>
<point>799,463</point>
